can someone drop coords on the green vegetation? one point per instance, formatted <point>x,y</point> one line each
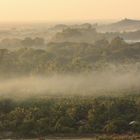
<point>81,82</point>
<point>68,57</point>
<point>50,116</point>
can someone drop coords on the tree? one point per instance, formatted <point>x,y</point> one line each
<point>116,126</point>
<point>39,41</point>
<point>28,42</point>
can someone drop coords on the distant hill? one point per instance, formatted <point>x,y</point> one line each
<point>121,26</point>
<point>127,22</point>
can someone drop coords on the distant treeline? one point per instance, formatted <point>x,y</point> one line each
<point>90,35</point>
<point>75,115</point>
<point>68,57</point>
<point>26,42</point>
<point>73,35</point>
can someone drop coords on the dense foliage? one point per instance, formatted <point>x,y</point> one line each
<point>41,117</point>
<point>68,51</point>
<point>68,57</point>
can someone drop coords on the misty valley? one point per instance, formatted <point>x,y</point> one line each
<point>70,81</point>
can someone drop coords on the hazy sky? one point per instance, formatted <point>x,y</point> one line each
<point>67,10</point>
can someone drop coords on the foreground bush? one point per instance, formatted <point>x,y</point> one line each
<point>41,117</point>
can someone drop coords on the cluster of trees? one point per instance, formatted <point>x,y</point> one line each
<point>90,35</point>
<point>127,29</point>
<point>26,42</point>
<point>41,117</point>
<point>68,57</point>
<point>87,35</point>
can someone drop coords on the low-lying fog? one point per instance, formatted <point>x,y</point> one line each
<point>94,83</point>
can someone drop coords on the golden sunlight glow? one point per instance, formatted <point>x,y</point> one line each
<point>67,10</point>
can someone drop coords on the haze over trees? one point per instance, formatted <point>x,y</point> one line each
<point>66,56</point>
<point>70,80</point>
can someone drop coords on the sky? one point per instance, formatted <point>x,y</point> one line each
<point>67,10</point>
